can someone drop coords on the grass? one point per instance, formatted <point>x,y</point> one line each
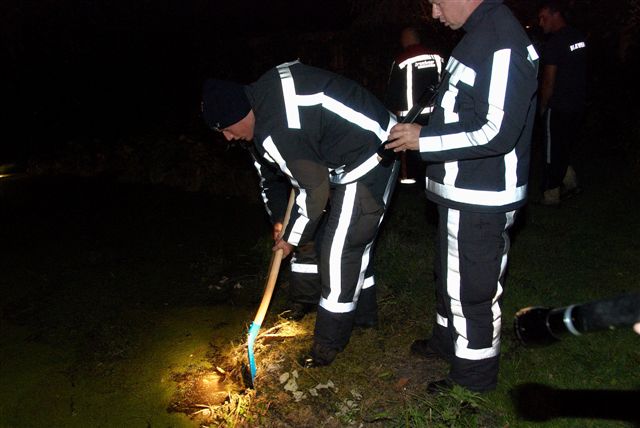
<point>586,250</point>
<point>117,299</point>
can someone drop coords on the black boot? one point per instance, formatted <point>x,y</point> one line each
<point>297,311</point>
<point>319,356</point>
<point>365,324</point>
<point>425,348</point>
<point>441,386</point>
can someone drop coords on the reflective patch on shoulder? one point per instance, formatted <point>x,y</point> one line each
<point>532,54</point>
<point>460,72</point>
<point>425,64</point>
<point>576,46</point>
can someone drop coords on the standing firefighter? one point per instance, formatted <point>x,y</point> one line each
<point>321,131</point>
<point>414,72</point>
<point>477,144</point>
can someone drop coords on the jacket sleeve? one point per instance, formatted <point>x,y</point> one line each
<point>395,96</point>
<point>483,111</point>
<point>311,186</point>
<point>309,178</point>
<point>274,187</point>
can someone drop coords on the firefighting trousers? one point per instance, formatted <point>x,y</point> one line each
<point>346,254</point>
<point>304,280</point>
<point>471,258</point>
<point>561,133</point>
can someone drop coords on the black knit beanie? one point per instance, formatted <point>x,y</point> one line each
<point>223,103</point>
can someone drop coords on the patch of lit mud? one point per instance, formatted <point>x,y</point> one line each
<point>215,391</point>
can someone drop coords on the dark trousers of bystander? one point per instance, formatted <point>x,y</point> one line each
<point>562,132</point>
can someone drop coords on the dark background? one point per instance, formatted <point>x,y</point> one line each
<point>83,69</point>
<point>80,67</point>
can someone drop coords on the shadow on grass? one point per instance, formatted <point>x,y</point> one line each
<point>537,402</point>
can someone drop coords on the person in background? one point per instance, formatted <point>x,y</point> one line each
<point>562,100</point>
<point>321,132</point>
<point>414,71</point>
<point>477,145</point>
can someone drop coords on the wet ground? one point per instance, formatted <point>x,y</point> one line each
<point>109,289</point>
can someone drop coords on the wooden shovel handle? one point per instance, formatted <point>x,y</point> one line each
<point>274,268</point>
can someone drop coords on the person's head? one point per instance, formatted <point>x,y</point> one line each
<point>453,13</point>
<point>226,108</point>
<point>551,16</point>
<point>409,36</point>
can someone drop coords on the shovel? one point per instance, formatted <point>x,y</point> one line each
<point>272,276</point>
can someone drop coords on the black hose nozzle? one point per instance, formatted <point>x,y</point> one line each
<point>544,326</point>
<point>387,157</point>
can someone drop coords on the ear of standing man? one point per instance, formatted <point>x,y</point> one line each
<point>477,145</point>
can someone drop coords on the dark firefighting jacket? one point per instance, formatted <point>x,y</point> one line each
<point>478,139</point>
<point>319,129</point>
<point>414,71</point>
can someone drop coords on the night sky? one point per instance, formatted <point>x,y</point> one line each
<point>83,68</point>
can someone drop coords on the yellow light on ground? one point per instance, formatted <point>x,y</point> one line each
<point>12,175</point>
<point>217,392</point>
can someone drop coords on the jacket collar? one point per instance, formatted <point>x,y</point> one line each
<point>474,19</point>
